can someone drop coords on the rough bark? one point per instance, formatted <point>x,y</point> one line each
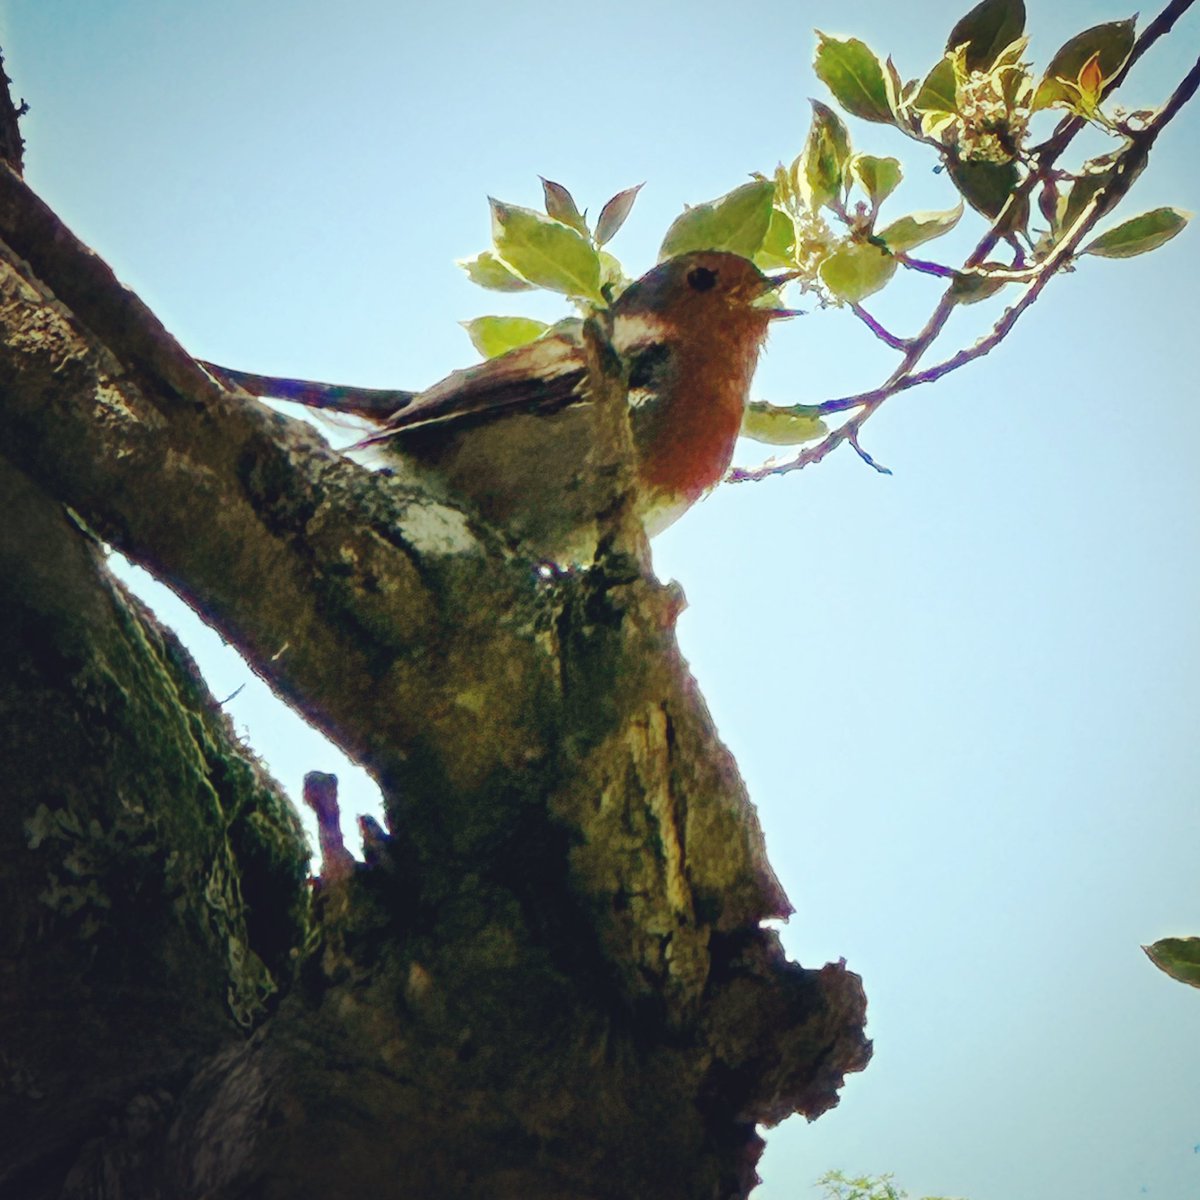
<point>551,982</point>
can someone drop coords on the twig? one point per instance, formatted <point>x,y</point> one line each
<point>926,268</point>
<point>852,438</point>
<point>896,343</point>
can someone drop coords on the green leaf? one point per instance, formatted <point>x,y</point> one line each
<point>894,90</point>
<point>493,336</point>
<point>1139,234</point>
<point>853,73</point>
<point>613,214</point>
<point>1016,84</point>
<point>879,177</point>
<point>1178,957</point>
<point>612,274</point>
<point>938,93</point>
<point>1111,42</point>
<point>545,251</point>
<point>823,160</point>
<point>490,272</point>
<point>907,232</point>
<point>560,205</point>
<point>987,30</point>
<point>1081,193</point>
<point>985,186</point>
<point>778,245</point>
<point>856,270</point>
<point>776,426</point>
<point>737,222</point>
<point>1012,54</point>
<point>934,123</point>
<point>969,288</point>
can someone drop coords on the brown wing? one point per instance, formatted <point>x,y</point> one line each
<point>543,376</point>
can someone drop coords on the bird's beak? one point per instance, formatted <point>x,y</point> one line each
<point>773,283</point>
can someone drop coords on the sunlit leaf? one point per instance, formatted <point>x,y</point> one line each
<point>1178,957</point>
<point>1012,53</point>
<point>987,30</point>
<point>488,271</point>
<point>560,205</point>
<point>1051,203</point>
<point>894,91</point>
<point>1081,193</point>
<point>613,214</point>
<point>853,73</point>
<point>778,245</point>
<point>1139,234</point>
<point>612,273</point>
<point>795,178</point>
<point>1016,83</point>
<point>985,186</point>
<point>784,192</point>
<point>1110,42</point>
<point>933,123</point>
<point>1091,78</point>
<point>937,93</point>
<point>493,336</point>
<point>737,221</point>
<point>907,232</point>
<point>823,160</point>
<point>969,288</point>
<point>856,270</point>
<point>879,177</point>
<point>777,426</point>
<point>546,251</point>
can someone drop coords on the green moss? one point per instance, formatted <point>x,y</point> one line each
<point>150,827</point>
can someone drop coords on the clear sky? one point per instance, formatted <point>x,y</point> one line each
<point>964,697</point>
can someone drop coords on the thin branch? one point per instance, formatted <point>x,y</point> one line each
<point>884,335</point>
<point>853,440</point>
<point>926,268</point>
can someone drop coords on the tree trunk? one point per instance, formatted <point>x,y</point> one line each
<point>550,981</point>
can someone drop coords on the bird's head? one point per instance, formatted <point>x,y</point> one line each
<point>701,294</point>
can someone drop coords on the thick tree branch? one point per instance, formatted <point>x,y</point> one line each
<point>570,899</point>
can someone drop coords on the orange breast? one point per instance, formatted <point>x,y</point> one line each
<point>685,437</point>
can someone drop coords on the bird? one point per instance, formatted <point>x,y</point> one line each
<point>515,436</point>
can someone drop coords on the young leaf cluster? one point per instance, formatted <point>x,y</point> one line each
<point>974,108</point>
<point>557,250</point>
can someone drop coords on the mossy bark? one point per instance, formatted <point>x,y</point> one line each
<point>151,875</point>
<point>552,981</point>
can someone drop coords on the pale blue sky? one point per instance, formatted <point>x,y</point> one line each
<point>964,697</point>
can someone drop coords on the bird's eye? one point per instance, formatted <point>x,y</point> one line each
<point>702,279</point>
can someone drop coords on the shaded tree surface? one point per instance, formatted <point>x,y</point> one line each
<point>552,978</point>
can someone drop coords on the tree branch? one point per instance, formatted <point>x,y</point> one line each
<point>572,861</point>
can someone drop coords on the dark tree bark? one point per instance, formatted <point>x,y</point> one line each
<point>552,979</point>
